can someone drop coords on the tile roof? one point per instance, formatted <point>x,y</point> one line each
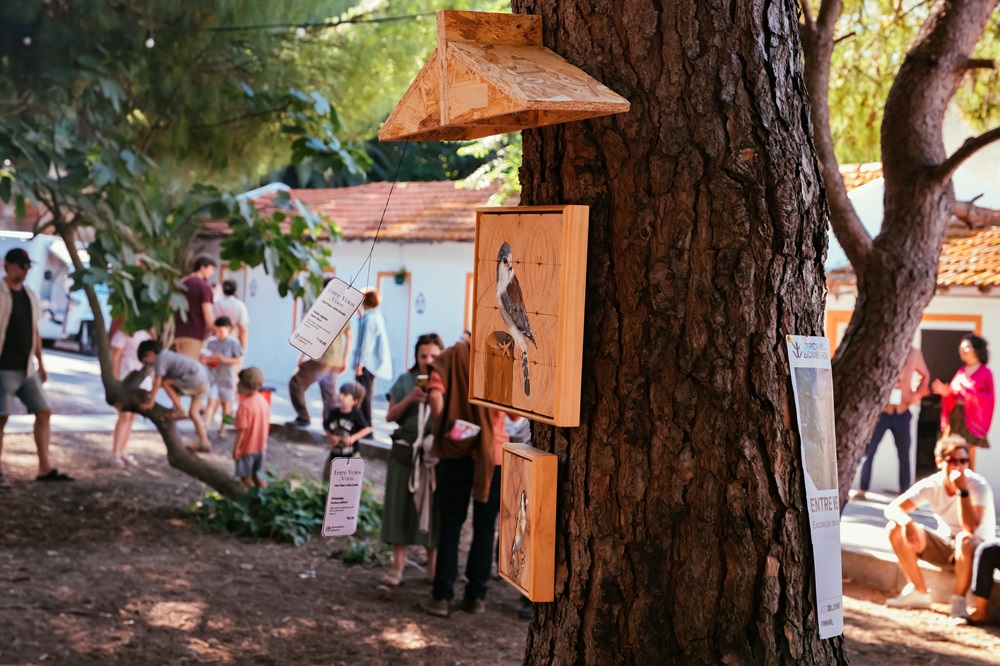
<point>972,259</point>
<point>856,175</point>
<point>969,258</point>
<point>417,211</point>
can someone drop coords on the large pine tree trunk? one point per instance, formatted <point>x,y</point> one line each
<point>682,528</point>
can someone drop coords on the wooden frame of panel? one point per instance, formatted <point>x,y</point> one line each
<point>548,246</point>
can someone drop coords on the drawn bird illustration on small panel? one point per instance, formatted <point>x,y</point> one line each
<point>512,309</point>
<point>517,555</point>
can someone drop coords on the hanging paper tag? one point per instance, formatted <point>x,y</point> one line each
<point>344,497</point>
<point>326,318</point>
<point>896,396</point>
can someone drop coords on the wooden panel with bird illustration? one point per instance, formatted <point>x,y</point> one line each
<point>527,327</point>
<point>527,554</point>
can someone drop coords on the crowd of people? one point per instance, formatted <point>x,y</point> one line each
<point>434,468</point>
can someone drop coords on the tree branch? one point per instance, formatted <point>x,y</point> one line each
<point>818,47</point>
<point>976,217</point>
<point>843,37</point>
<point>239,118</point>
<point>807,16</point>
<point>966,151</point>
<point>978,63</point>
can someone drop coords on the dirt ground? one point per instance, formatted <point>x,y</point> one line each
<point>112,569</point>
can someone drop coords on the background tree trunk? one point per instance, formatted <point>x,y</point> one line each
<point>682,527</point>
<point>899,276</point>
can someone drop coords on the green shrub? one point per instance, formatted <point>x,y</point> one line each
<point>291,509</point>
<point>364,547</point>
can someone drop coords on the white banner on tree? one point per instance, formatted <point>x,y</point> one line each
<point>812,384</point>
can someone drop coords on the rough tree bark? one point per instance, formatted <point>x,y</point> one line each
<point>897,272</point>
<point>128,396</point>
<point>681,521</point>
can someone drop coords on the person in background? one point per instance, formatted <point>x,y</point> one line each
<point>466,337</point>
<point>961,500</point>
<point>228,305</point>
<point>895,418</point>
<point>223,355</point>
<point>20,311</point>
<point>177,374</point>
<point>400,518</point>
<point>345,425</point>
<point>191,328</point>
<point>967,402</point>
<point>324,370</point>
<point>253,424</point>
<point>124,360</point>
<point>372,357</point>
<point>985,561</point>
<point>469,463</point>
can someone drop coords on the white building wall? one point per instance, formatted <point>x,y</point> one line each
<point>435,294</point>
<point>956,309</point>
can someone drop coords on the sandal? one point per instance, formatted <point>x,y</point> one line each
<point>55,475</point>
<point>5,482</point>
<point>177,415</point>
<point>198,449</point>
<point>393,579</point>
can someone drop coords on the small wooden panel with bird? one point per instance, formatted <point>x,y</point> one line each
<point>528,521</point>
<point>527,326</point>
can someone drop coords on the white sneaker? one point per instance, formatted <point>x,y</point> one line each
<point>910,598</point>
<point>958,606</point>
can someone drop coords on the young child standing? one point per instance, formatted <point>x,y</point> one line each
<point>223,356</point>
<point>253,423</point>
<point>177,374</point>
<point>345,425</point>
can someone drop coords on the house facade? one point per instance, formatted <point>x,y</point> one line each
<point>421,263</point>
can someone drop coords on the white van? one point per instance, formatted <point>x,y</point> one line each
<point>66,315</point>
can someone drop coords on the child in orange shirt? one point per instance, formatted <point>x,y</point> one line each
<point>253,423</point>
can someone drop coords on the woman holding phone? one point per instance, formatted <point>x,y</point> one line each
<point>408,408</point>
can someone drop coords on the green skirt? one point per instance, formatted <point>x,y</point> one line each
<point>400,521</point>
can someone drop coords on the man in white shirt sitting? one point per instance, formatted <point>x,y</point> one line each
<point>961,500</point>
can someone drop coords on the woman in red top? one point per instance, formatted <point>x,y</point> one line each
<point>967,402</point>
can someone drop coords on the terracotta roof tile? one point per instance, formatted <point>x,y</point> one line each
<point>417,211</point>
<point>856,175</point>
<point>972,259</point>
<point>969,258</point>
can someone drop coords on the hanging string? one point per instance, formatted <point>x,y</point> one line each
<point>371,250</point>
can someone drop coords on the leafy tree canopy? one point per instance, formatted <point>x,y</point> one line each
<point>873,37</point>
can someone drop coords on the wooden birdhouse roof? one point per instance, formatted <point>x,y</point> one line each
<point>489,75</point>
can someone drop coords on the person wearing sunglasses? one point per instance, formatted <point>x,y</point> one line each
<point>962,503</point>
